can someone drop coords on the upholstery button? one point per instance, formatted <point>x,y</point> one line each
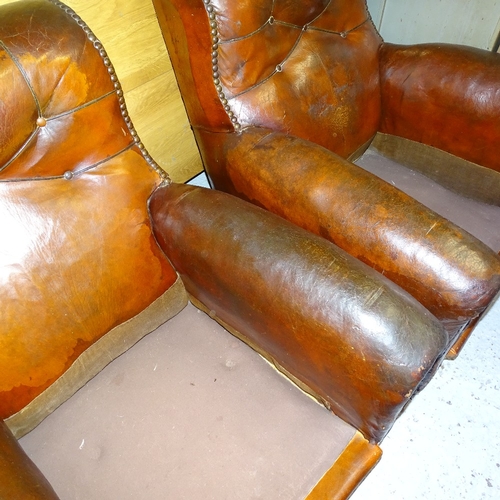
<point>41,121</point>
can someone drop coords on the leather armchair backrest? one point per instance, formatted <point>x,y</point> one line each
<point>304,67</point>
<point>77,255</point>
<point>66,110</point>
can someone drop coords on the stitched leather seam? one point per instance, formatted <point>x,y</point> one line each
<point>370,19</point>
<point>82,106</point>
<point>272,20</point>
<point>25,76</point>
<point>278,69</point>
<point>70,175</point>
<point>117,85</point>
<point>61,78</point>
<point>217,42</point>
<point>35,98</point>
<point>248,35</point>
<point>343,34</point>
<point>52,118</point>
<point>20,150</point>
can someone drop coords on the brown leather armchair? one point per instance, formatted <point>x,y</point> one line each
<point>283,96</point>
<point>99,248</point>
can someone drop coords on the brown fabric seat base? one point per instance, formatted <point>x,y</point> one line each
<point>192,412</point>
<point>97,356</point>
<point>480,219</point>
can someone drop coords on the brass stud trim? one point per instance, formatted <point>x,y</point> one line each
<point>118,89</point>
<point>214,33</point>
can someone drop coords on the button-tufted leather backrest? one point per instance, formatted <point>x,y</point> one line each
<point>65,98</point>
<point>77,255</point>
<point>304,67</point>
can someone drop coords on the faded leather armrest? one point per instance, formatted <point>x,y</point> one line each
<point>442,95</point>
<point>20,479</point>
<point>342,331</point>
<point>450,272</point>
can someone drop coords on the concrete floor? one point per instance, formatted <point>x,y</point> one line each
<point>446,446</point>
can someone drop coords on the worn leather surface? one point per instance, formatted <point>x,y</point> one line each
<point>349,334</point>
<point>20,479</point>
<point>451,272</point>
<point>77,256</point>
<point>257,59</point>
<point>480,219</point>
<point>444,96</point>
<point>289,78</point>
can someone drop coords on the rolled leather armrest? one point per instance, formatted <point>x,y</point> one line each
<point>19,476</point>
<point>341,330</point>
<point>443,95</point>
<point>449,271</point>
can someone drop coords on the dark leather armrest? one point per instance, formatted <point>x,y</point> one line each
<point>450,272</point>
<point>442,95</point>
<point>351,337</point>
<point>19,476</point>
